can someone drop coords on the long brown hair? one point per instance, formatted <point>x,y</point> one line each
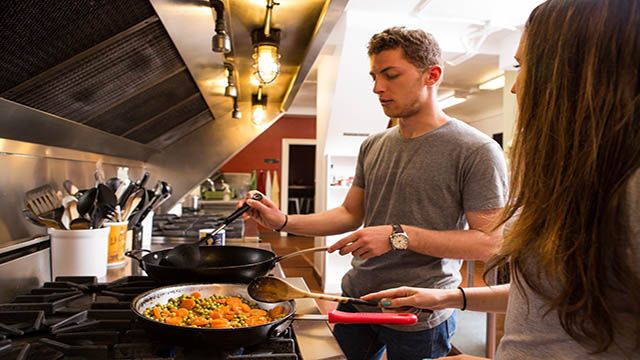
<point>577,144</point>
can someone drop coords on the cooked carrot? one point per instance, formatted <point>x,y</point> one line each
<point>258,312</point>
<point>276,311</point>
<point>175,320</point>
<point>200,321</point>
<point>234,301</point>
<point>215,314</point>
<point>183,312</point>
<point>256,320</point>
<point>165,313</point>
<point>196,294</point>
<point>156,313</point>
<point>187,304</point>
<point>245,308</point>
<point>220,324</point>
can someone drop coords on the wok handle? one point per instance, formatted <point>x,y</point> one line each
<point>132,254</point>
<point>241,210</point>
<point>340,317</point>
<point>300,252</point>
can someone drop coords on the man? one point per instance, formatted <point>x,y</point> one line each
<point>417,187</point>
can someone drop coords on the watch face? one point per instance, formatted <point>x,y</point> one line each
<point>399,241</point>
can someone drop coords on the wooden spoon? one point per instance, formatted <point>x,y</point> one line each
<point>271,289</point>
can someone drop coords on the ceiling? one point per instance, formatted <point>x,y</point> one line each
<point>452,22</point>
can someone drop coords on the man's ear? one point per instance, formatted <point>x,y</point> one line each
<point>433,75</point>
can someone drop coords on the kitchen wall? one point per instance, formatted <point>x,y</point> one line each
<point>268,145</point>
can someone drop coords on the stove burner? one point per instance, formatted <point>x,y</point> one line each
<point>18,323</point>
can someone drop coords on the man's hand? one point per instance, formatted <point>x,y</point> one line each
<point>365,243</point>
<point>264,212</point>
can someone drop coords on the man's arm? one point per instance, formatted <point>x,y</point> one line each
<point>480,242</point>
<point>346,217</point>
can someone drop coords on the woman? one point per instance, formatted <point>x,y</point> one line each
<point>574,248</point>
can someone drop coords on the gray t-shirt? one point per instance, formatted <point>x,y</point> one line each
<point>430,182</point>
<point>529,333</point>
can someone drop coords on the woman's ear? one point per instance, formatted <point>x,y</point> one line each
<point>433,75</point>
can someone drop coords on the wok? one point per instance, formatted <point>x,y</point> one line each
<point>220,264</point>
<point>237,337</point>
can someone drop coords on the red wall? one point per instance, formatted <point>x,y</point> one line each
<point>268,145</point>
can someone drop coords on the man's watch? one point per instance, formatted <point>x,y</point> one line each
<point>399,239</point>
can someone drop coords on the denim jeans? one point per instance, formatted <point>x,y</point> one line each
<point>368,342</point>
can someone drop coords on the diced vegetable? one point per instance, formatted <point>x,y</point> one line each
<point>216,312</point>
<point>187,304</point>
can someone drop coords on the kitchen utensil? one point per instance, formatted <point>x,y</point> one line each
<point>70,188</point>
<point>42,200</point>
<point>39,220</point>
<point>86,201</point>
<point>188,255</point>
<point>105,204</point>
<point>136,214</point>
<point>132,202</point>
<point>70,210</point>
<point>271,289</point>
<point>244,336</point>
<point>226,264</point>
<point>113,183</point>
<point>80,224</point>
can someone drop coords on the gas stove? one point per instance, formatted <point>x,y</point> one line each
<point>81,318</point>
<point>187,226</point>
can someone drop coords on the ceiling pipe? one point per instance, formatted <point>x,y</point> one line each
<point>221,41</point>
<point>267,17</point>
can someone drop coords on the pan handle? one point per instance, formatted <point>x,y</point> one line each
<point>132,254</point>
<point>340,317</point>
<point>278,329</point>
<point>300,252</point>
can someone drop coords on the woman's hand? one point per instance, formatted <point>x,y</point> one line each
<point>462,357</point>
<point>264,212</point>
<point>434,299</point>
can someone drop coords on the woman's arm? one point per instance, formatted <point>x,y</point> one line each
<point>484,299</point>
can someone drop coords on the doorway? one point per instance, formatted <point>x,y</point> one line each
<point>298,176</point>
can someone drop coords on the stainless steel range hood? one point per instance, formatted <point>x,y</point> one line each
<point>138,80</point>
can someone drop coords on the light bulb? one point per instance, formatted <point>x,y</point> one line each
<point>266,62</point>
<point>259,115</point>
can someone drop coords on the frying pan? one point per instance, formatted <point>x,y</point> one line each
<point>237,337</point>
<point>220,264</point>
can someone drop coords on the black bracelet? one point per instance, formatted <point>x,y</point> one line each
<point>286,220</point>
<point>464,299</point>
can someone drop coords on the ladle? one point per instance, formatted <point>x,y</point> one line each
<point>188,255</point>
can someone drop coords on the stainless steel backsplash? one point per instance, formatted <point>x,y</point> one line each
<point>24,166</point>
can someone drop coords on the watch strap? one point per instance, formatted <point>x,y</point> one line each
<point>397,229</point>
